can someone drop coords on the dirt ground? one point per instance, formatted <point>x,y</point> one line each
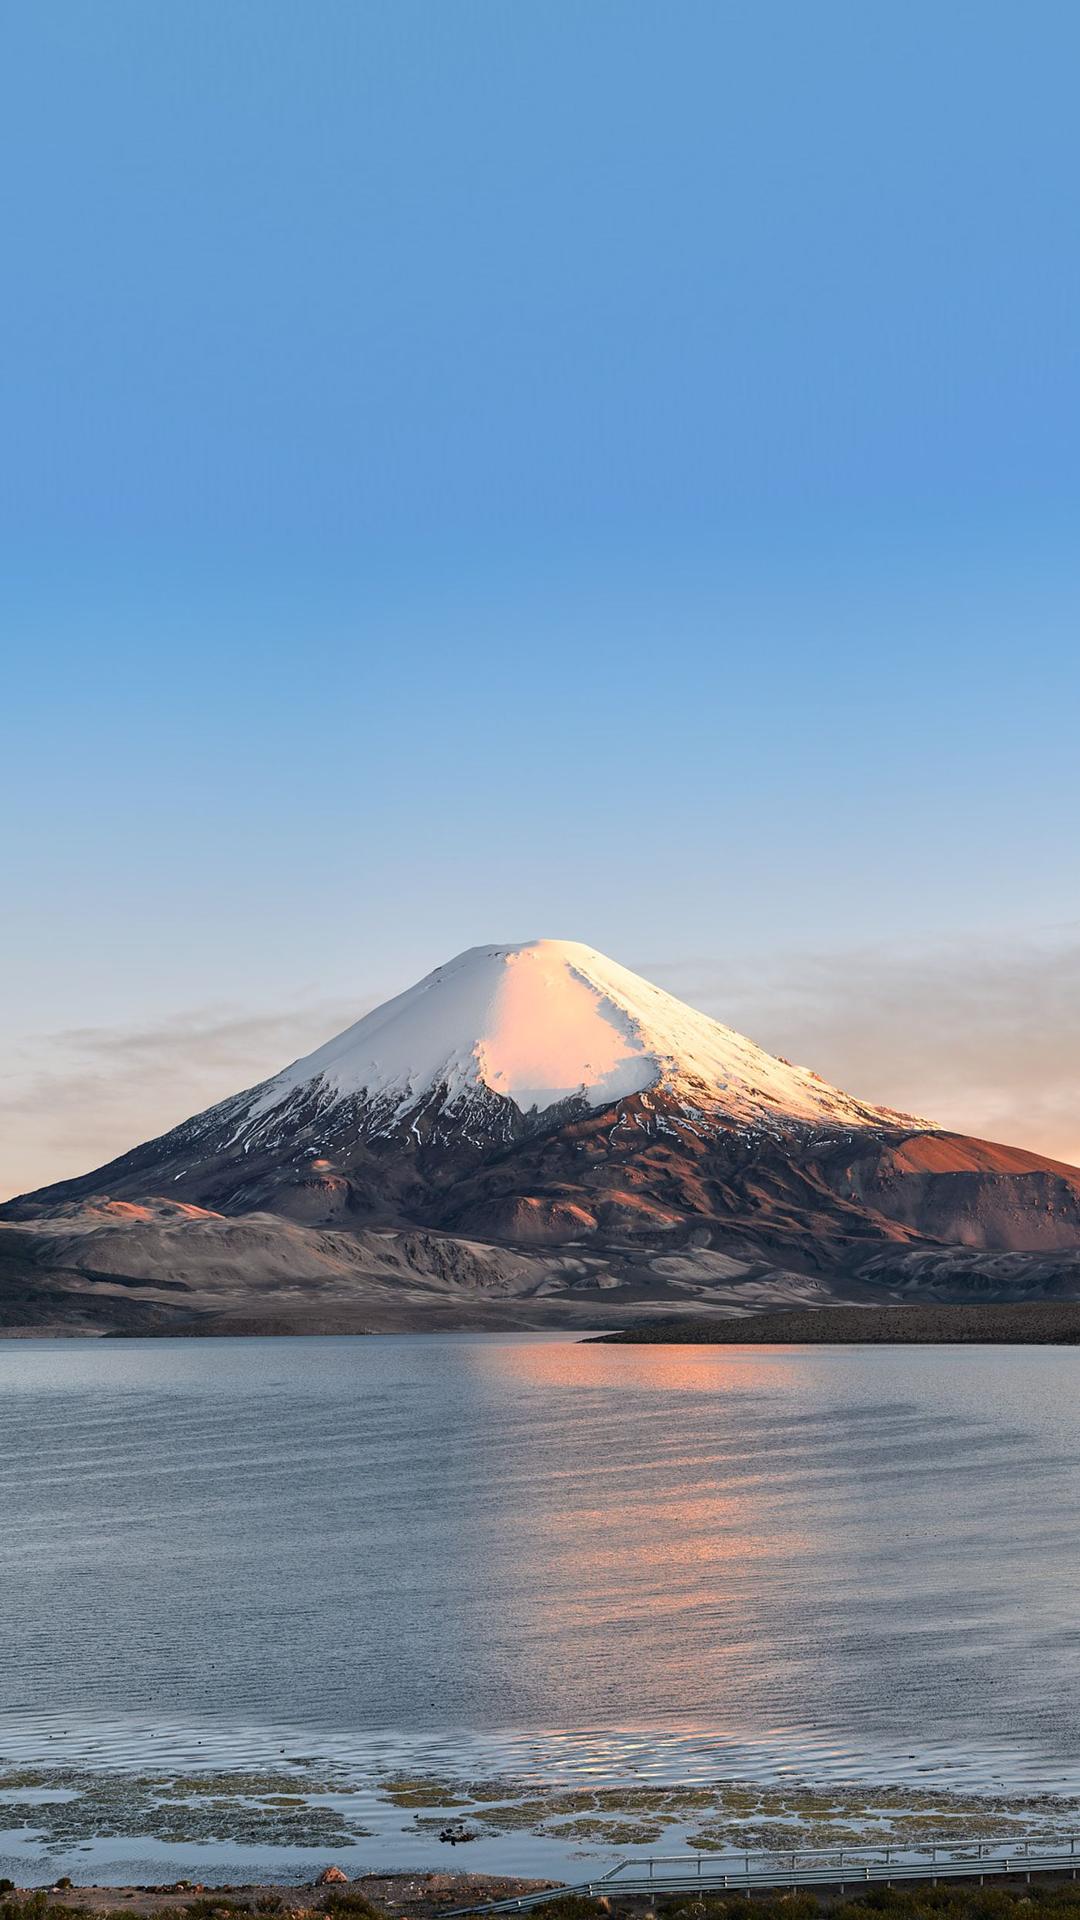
<point>413,1894</point>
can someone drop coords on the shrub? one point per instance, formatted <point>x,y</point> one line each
<point>353,1906</point>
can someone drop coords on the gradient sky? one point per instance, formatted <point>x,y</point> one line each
<point>476,471</point>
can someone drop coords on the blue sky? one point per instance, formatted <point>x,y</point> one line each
<point>480,471</point>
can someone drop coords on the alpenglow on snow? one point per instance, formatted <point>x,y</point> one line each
<point>545,1023</point>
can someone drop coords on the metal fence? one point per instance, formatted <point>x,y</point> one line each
<point>841,1867</point>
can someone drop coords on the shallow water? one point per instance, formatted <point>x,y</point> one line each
<point>527,1558</point>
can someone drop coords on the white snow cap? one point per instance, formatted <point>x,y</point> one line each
<point>552,1020</point>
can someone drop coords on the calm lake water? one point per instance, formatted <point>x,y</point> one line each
<point>528,1557</point>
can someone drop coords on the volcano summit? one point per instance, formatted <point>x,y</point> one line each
<point>541,1104</point>
<point>503,1038</point>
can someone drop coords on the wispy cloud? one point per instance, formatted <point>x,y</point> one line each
<point>71,1099</point>
<point>985,1040</point>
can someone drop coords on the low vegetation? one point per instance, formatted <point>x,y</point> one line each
<point>962,1901</point>
<point>959,1901</point>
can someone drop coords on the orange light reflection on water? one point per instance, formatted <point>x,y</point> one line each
<point>692,1369</point>
<point>701,1522</point>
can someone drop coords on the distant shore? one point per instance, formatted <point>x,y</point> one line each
<point>1049,1323</point>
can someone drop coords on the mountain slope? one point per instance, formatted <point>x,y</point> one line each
<point>543,1098</point>
<point>162,1267</point>
<point>502,1046</point>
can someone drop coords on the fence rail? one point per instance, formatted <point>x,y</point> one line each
<point>844,1867</point>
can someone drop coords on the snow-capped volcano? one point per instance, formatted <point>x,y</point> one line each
<point>542,1094</point>
<point>548,1022</point>
<point>505,1048</point>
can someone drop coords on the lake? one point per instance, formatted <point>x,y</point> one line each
<point>267,1602</point>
